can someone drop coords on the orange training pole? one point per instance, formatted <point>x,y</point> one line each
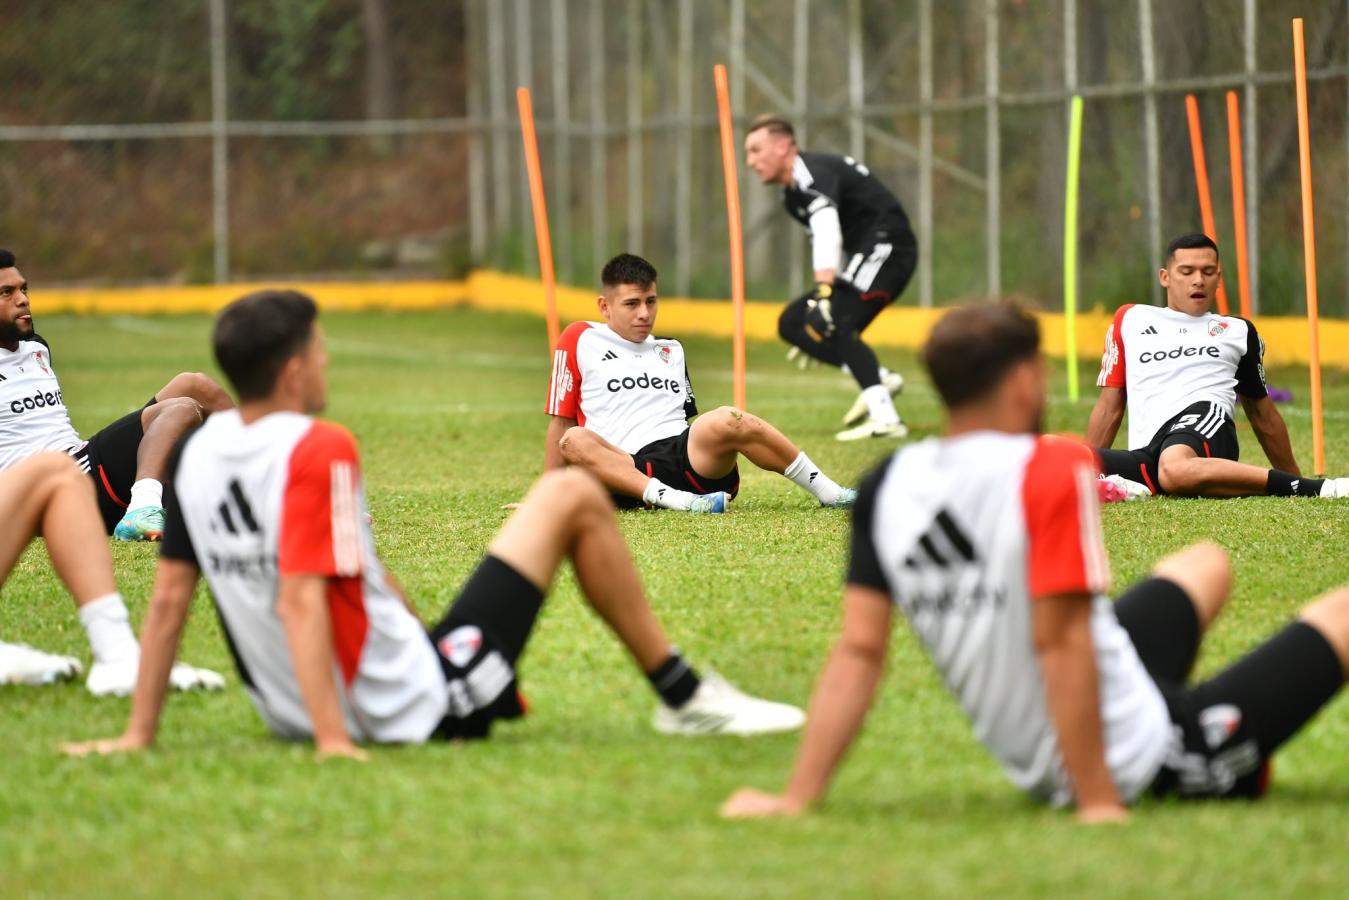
<point>728,165</point>
<point>1238,201</point>
<point>1201,183</point>
<point>541,234</point>
<point>1309,246</point>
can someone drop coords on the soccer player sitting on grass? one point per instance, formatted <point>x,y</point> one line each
<point>268,501</point>
<point>989,540</point>
<point>126,459</point>
<point>621,404</point>
<point>46,495</point>
<point>1179,369</point>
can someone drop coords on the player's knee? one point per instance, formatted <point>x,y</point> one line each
<point>188,384</point>
<point>1179,477</point>
<point>571,490</point>
<point>1204,572</point>
<point>1329,614</point>
<point>181,413</point>
<point>573,443</point>
<point>48,471</point>
<point>733,423</point>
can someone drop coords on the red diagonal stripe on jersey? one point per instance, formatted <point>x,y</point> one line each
<point>346,608</point>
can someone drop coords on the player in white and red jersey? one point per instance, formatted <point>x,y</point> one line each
<point>1179,369</point>
<point>989,541</point>
<point>621,403</point>
<point>126,459</point>
<point>268,502</point>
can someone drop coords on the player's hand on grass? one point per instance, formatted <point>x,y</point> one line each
<point>104,747</point>
<point>514,505</point>
<point>1103,814</point>
<point>341,750</point>
<point>748,803</point>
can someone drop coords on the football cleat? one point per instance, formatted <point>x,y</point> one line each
<point>870,428</point>
<point>894,383</point>
<point>845,499</point>
<point>1117,489</point>
<point>21,664</point>
<point>1335,487</point>
<point>118,679</point>
<point>719,707</point>
<point>709,503</point>
<point>144,524</point>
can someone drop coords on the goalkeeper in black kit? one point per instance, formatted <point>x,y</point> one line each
<point>863,254</point>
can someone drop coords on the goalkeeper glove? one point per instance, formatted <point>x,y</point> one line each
<point>802,359</point>
<point>820,313</point>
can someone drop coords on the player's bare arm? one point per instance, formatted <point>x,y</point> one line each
<point>170,602</point>
<point>838,708</point>
<point>552,451</point>
<point>1272,433</point>
<point>1106,417</point>
<point>1061,629</point>
<point>302,606</point>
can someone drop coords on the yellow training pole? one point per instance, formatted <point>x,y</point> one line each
<point>1070,244</point>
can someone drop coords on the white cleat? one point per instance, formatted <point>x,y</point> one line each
<point>1335,487</point>
<point>846,499</point>
<point>894,383</point>
<point>1117,489</point>
<point>118,679</point>
<point>21,664</point>
<point>719,707</point>
<point>870,428</point>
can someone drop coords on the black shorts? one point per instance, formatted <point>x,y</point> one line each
<point>1204,427</point>
<point>109,456</point>
<point>479,642</point>
<point>668,460</point>
<point>1229,726</point>
<point>874,275</point>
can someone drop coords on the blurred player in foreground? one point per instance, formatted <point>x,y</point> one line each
<point>621,405</point>
<point>46,495</point>
<point>126,459</point>
<point>863,253</point>
<point>1179,369</point>
<point>269,502</point>
<point>989,540</point>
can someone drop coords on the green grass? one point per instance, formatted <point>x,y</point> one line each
<point>581,798</point>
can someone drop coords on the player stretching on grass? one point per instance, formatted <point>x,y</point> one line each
<point>47,496</point>
<point>268,501</point>
<point>621,403</point>
<point>126,459</point>
<point>989,540</point>
<point>1179,369</point>
<point>863,253</point>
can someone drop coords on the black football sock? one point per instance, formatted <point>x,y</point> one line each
<point>861,360</point>
<point>675,680</point>
<point>1285,484</point>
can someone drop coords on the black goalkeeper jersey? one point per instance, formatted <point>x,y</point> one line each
<point>865,205</point>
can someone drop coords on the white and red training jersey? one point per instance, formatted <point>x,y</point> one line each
<point>33,414</point>
<point>628,393</point>
<point>283,496</point>
<point>964,534</point>
<point>1167,360</point>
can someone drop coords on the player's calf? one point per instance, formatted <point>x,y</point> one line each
<point>717,437</point>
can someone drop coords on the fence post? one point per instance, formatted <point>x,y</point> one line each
<point>634,126</point>
<point>1251,157</point>
<point>1070,88</point>
<point>684,150</point>
<point>220,148</point>
<point>800,108</point>
<point>496,93</point>
<point>562,138</point>
<point>925,153</point>
<point>856,83</point>
<point>477,151</point>
<point>599,192</point>
<point>992,152</point>
<point>1151,145</point>
<point>524,74</point>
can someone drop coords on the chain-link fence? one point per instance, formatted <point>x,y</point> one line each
<point>203,139</point>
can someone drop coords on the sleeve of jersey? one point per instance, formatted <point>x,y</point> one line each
<point>1112,360</point>
<point>176,542</point>
<point>864,566</point>
<point>1065,549</point>
<point>690,403</point>
<point>564,388</point>
<point>321,508</point>
<point>826,235</point>
<point>1251,368</point>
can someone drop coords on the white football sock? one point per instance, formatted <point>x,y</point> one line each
<point>885,373</point>
<point>880,405</point>
<point>106,622</point>
<point>805,473</point>
<point>145,492</point>
<point>658,493</point>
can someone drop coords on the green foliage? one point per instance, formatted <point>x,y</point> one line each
<point>582,798</point>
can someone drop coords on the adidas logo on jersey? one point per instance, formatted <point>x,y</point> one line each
<point>609,354</point>
<point>941,544</point>
<point>1151,329</point>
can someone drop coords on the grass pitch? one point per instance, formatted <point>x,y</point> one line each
<point>582,798</point>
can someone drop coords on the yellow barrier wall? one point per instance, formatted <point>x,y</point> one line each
<point>1285,337</point>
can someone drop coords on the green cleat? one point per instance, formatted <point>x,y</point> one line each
<point>144,524</point>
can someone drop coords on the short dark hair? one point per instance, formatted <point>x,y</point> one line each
<point>628,268</point>
<point>255,335</point>
<point>971,348</point>
<point>774,125</point>
<point>7,260</point>
<point>1192,241</point>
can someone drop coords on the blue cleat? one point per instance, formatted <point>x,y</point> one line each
<point>845,499</point>
<point>144,524</point>
<point>709,503</point>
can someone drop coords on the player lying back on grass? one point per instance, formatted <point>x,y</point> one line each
<point>621,403</point>
<point>989,540</point>
<point>1179,369</point>
<point>268,502</point>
